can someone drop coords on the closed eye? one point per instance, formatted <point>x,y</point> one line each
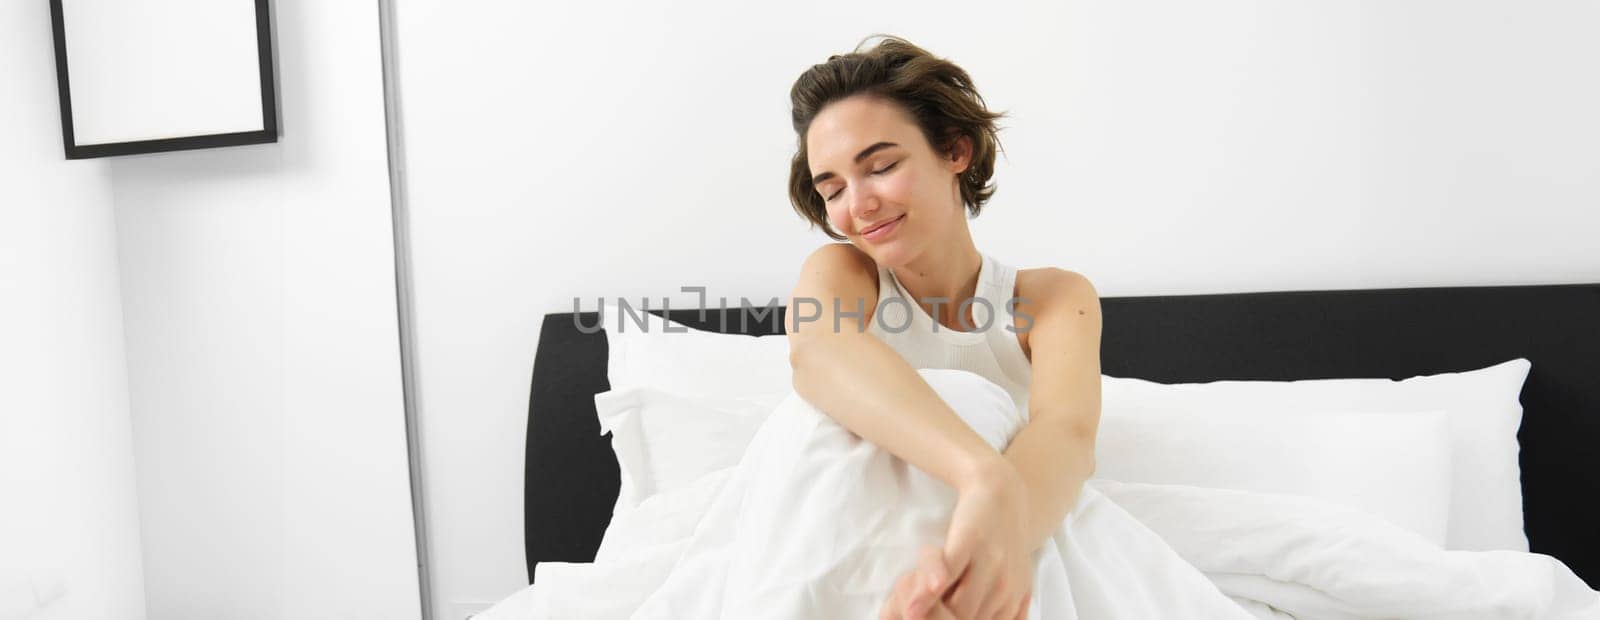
<point>878,171</point>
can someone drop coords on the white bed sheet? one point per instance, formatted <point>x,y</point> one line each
<point>815,522</point>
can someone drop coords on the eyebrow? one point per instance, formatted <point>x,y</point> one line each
<point>817,180</point>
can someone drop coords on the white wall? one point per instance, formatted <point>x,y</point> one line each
<point>1158,147</point>
<point>259,291</point>
<point>69,521</point>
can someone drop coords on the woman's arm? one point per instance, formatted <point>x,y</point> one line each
<point>1055,451</point>
<point>1005,513</point>
<point>865,385</point>
<point>993,536</point>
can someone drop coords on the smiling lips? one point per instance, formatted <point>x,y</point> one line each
<point>879,230</point>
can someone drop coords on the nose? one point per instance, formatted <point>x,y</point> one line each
<point>863,201</point>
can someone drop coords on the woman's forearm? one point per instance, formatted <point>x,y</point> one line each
<point>1054,459</point>
<point>869,389</point>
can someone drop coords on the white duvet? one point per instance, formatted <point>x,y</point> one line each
<point>815,522</point>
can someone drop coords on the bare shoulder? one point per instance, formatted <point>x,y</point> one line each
<point>1054,285</point>
<point>1046,293</point>
<point>843,257</point>
<point>838,268</point>
<point>836,271</point>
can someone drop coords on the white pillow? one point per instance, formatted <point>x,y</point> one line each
<point>697,363</point>
<point>670,445</point>
<point>1392,465</point>
<point>665,440</point>
<point>1482,405</point>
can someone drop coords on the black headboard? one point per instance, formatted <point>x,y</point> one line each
<point>572,479</point>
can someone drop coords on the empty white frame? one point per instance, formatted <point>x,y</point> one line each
<point>144,76</point>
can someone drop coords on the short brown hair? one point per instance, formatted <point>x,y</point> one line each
<point>935,92</point>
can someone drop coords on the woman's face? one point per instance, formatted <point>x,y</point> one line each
<point>873,167</point>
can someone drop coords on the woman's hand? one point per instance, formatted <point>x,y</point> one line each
<point>917,594</point>
<point>986,548</point>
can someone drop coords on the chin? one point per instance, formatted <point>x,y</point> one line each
<point>891,254</point>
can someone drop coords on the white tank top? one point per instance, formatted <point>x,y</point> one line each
<point>990,349</point>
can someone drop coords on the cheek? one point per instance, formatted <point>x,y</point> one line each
<point>839,217</point>
<point>900,187</point>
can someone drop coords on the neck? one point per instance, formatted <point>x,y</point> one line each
<point>951,272</point>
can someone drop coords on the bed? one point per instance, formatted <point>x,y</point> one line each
<point>572,477</point>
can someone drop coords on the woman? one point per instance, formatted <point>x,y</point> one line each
<point>895,147</point>
<point>914,426</point>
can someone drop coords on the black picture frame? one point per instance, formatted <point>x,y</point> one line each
<point>269,104</point>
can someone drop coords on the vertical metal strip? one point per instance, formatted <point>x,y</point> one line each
<point>402,281</point>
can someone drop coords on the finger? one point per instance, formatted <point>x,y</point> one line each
<point>1013,603</point>
<point>959,549</point>
<point>1027,601</point>
<point>958,556</point>
<point>960,572</point>
<point>997,599</point>
<point>973,589</point>
<point>931,564</point>
<point>894,606</point>
<point>941,612</point>
<point>918,601</point>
